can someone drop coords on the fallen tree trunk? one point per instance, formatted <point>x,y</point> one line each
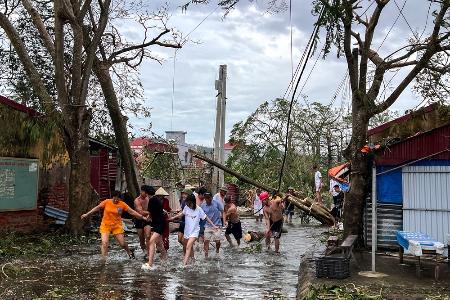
<point>319,212</point>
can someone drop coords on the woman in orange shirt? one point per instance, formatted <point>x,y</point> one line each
<point>112,222</point>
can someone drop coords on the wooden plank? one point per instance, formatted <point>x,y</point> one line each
<point>349,241</point>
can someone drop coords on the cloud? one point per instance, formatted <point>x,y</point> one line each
<point>256,48</point>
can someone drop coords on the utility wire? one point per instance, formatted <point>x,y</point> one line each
<point>183,42</point>
<point>313,36</point>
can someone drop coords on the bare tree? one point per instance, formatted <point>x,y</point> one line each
<point>71,75</point>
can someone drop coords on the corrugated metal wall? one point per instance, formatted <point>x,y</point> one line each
<point>389,220</point>
<point>426,200</point>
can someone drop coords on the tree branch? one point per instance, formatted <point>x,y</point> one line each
<point>93,46</point>
<point>370,30</point>
<point>432,48</point>
<point>154,41</point>
<point>40,26</point>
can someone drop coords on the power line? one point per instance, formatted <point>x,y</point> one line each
<point>290,25</point>
<point>313,35</point>
<point>393,24</point>
<point>183,42</point>
<point>198,25</point>
<point>404,18</point>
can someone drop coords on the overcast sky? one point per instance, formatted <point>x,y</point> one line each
<point>255,45</point>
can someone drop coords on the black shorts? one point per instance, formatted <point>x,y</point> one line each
<point>235,229</point>
<point>276,228</point>
<point>336,212</point>
<point>181,228</point>
<point>140,224</point>
<point>158,227</point>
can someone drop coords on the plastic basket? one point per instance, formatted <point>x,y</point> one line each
<point>333,267</point>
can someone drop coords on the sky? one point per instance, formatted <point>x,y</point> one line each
<point>256,47</point>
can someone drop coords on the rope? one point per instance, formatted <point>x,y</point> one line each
<point>313,35</point>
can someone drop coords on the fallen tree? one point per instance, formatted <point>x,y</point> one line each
<point>318,211</point>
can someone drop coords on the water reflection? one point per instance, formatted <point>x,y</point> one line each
<point>234,274</point>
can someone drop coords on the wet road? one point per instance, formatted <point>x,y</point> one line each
<point>235,274</point>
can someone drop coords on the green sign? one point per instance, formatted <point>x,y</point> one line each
<point>18,183</point>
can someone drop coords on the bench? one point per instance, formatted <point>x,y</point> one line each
<point>345,248</point>
<point>347,245</point>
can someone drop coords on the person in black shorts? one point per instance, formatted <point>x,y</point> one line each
<point>289,207</point>
<point>338,202</point>
<point>234,226</point>
<point>143,227</point>
<point>156,211</point>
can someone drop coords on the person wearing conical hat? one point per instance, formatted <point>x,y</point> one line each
<point>162,195</point>
<point>155,208</point>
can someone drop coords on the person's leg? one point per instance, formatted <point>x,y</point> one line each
<point>189,250</point>
<point>277,245</point>
<point>180,237</point>
<point>120,238</point>
<point>217,246</point>
<point>268,240</point>
<point>162,249</point>
<point>105,245</point>
<point>147,236</point>
<point>141,236</point>
<point>206,247</point>
<point>152,247</point>
<point>227,236</point>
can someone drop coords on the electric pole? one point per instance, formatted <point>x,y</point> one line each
<point>219,137</point>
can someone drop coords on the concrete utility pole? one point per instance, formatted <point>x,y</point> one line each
<point>219,138</point>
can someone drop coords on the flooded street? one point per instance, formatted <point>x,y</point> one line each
<point>235,274</point>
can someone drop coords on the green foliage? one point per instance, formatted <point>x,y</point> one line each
<point>339,292</point>
<point>162,166</point>
<point>318,133</point>
<point>15,245</point>
<point>24,132</point>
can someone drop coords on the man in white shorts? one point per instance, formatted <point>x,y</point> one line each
<point>213,210</point>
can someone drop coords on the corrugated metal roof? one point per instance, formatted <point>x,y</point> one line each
<point>417,147</point>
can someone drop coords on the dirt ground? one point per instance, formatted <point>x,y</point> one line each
<point>401,282</point>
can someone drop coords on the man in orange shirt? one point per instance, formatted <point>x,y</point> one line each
<point>112,222</point>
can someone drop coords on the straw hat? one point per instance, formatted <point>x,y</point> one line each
<point>189,187</point>
<point>161,192</point>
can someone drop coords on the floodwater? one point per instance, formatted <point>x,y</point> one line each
<point>235,274</point>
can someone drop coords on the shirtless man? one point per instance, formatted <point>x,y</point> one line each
<point>273,214</point>
<point>232,222</point>
<point>143,228</point>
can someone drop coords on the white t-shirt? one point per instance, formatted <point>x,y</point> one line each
<point>318,180</point>
<point>192,221</point>
<point>257,206</point>
<point>332,184</point>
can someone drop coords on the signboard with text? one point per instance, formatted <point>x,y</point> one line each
<point>18,183</point>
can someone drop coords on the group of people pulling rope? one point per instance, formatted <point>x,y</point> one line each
<point>202,218</point>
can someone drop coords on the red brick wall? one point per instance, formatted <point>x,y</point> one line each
<point>23,221</point>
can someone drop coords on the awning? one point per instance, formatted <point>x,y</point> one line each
<point>340,172</point>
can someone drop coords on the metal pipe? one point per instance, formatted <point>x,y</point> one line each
<point>374,214</point>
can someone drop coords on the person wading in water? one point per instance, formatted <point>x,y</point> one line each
<point>184,194</point>
<point>273,214</point>
<point>112,222</point>
<point>193,214</point>
<point>143,228</point>
<point>213,209</point>
<point>158,222</point>
<point>233,225</point>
